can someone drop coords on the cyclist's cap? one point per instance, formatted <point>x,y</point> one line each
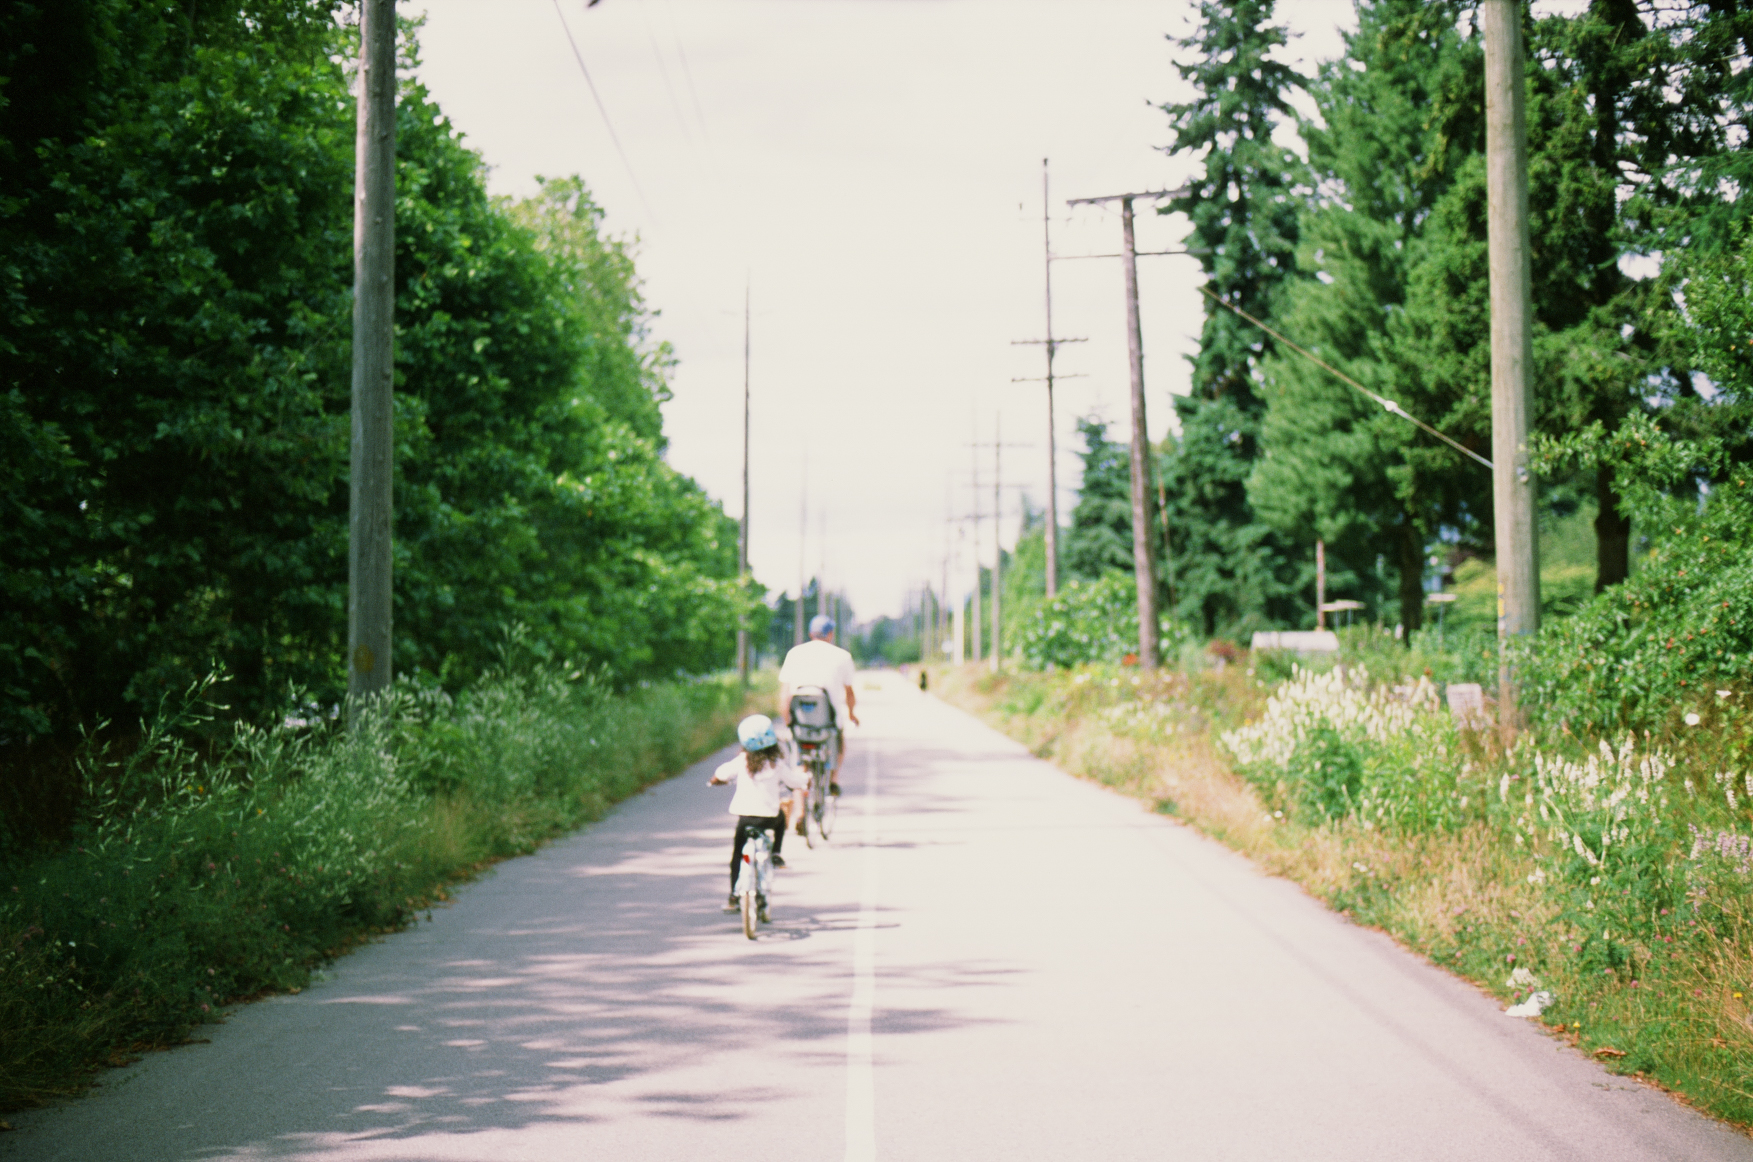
<point>822,624</point>
<point>756,732</point>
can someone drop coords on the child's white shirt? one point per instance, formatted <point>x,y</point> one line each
<point>759,794</point>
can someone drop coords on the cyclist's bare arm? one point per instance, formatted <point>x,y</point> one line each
<point>852,707</point>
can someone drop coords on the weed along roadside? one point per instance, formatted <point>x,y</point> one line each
<point>1602,887</point>
<point>196,879</point>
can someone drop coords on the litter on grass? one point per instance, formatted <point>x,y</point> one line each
<point>1532,1007</point>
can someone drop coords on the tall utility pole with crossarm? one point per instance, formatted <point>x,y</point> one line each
<point>743,528</point>
<point>370,517</point>
<point>1143,527</point>
<point>1052,346</point>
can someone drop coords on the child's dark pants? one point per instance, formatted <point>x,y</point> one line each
<point>747,826</point>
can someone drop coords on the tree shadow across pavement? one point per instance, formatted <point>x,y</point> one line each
<point>595,981</point>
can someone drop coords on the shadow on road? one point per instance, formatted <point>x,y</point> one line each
<point>548,994</point>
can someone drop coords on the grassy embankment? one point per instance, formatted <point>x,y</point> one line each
<point>1380,805</point>
<point>200,878</point>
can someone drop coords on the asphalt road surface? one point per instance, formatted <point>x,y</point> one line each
<point>992,960</point>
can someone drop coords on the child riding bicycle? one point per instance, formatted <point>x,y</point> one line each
<point>759,772</point>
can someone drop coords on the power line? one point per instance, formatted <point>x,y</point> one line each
<point>607,124</point>
<point>1387,404</point>
<point>688,75</point>
<point>663,72</point>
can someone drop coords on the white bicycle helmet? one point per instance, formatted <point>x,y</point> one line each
<point>756,733</point>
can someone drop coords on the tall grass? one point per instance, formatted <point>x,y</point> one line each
<point>1618,875</point>
<point>202,875</point>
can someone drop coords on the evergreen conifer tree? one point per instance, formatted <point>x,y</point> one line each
<point>1100,538</point>
<point>1226,571</point>
<point>1334,462</point>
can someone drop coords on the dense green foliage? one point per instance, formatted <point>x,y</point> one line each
<point>174,248</point>
<point>175,258</point>
<point>196,879</point>
<point>1226,571</point>
<point>1099,540</point>
<point>1372,253</point>
<point>1676,639</point>
<point>1087,621</point>
<point>1335,465</point>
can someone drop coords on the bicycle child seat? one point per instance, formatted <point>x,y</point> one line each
<point>812,714</point>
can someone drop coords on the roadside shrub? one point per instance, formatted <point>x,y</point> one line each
<point>1091,621</point>
<point>196,877</point>
<point>1718,874</point>
<point>1335,745</point>
<point>1655,647</point>
<point>1610,862</point>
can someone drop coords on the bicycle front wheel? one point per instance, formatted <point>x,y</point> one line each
<point>750,908</point>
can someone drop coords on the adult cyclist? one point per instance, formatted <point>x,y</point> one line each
<point>819,662</point>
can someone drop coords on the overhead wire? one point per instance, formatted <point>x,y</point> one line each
<point>688,76</point>
<point>1387,404</point>
<point>601,109</point>
<point>663,72</point>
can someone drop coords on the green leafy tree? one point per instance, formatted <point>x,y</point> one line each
<point>175,206</point>
<point>1626,112</point>
<point>1226,571</point>
<point>531,487</point>
<point>1335,463</point>
<point>1025,572</point>
<point>1658,647</point>
<point>175,256</point>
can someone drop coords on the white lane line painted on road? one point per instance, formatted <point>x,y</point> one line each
<point>860,1084</point>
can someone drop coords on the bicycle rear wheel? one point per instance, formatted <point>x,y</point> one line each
<point>749,914</point>
<point>825,809</point>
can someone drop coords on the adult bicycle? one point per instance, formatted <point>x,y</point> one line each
<point>817,739</point>
<point>818,758</point>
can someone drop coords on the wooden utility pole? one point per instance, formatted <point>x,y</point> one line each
<point>1512,352</point>
<point>370,518</point>
<point>956,625</point>
<point>1143,527</point>
<point>1052,346</point>
<point>1143,550</point>
<point>998,487</point>
<point>997,543</point>
<point>944,619</point>
<point>974,611</point>
<point>798,636</point>
<point>743,528</point>
<point>1052,435</point>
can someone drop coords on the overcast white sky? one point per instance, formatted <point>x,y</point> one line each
<point>873,167</point>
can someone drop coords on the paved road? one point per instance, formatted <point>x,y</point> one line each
<point>992,961</point>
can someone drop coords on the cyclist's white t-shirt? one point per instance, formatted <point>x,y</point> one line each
<point>758,794</point>
<point>824,664</point>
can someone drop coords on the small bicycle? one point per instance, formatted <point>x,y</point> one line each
<point>754,877</point>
